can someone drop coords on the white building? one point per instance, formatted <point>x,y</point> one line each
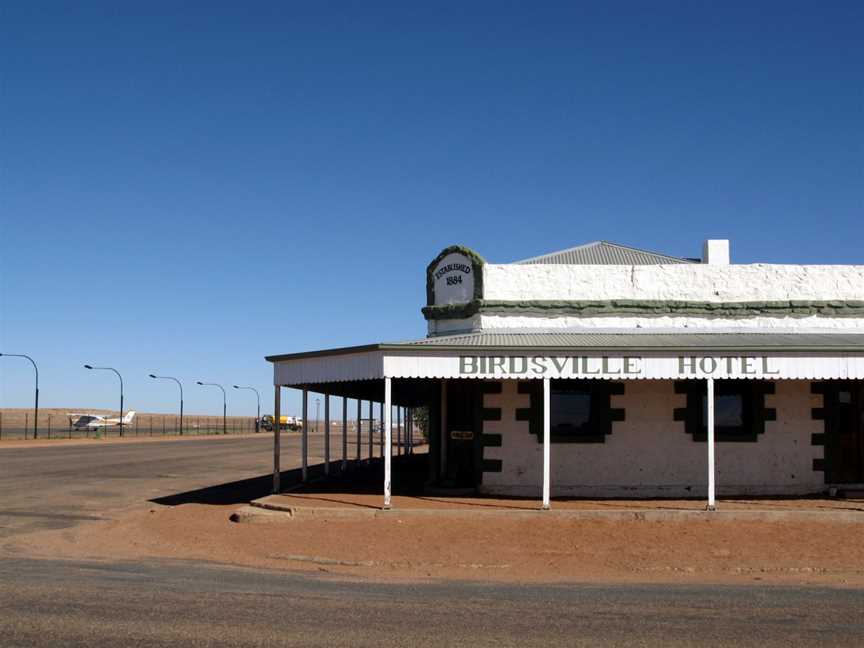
<point>605,371</point>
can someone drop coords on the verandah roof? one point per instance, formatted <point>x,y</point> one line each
<point>660,356</point>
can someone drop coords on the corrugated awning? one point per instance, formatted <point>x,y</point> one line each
<point>532,355</point>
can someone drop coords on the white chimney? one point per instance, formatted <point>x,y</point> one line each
<point>715,252</point>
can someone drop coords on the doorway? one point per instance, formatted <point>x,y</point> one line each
<point>844,432</point>
<point>463,434</point>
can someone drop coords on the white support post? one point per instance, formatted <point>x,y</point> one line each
<point>443,431</point>
<point>277,439</point>
<point>399,430</point>
<point>344,433</point>
<point>546,443</point>
<point>712,504</point>
<point>385,421</point>
<point>326,434</point>
<point>359,428</point>
<point>381,436</point>
<point>304,441</point>
<point>371,425</point>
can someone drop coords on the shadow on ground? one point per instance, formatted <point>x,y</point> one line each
<point>409,478</point>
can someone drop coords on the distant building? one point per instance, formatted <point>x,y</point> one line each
<point>608,371</point>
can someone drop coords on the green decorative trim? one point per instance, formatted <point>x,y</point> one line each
<point>830,308</point>
<point>451,311</point>
<point>477,263</point>
<point>755,412</point>
<point>533,414</point>
<point>819,387</point>
<point>490,387</point>
<point>602,391</point>
<point>491,414</point>
<point>490,440</point>
<point>491,465</point>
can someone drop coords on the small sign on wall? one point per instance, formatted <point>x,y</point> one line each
<point>462,435</point>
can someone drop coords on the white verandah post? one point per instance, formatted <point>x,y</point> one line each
<point>344,433</point>
<point>381,436</point>
<point>409,430</point>
<point>387,432</point>
<point>546,440</point>
<point>371,425</point>
<point>359,428</point>
<point>712,504</point>
<point>326,434</point>
<point>304,441</point>
<point>277,441</point>
<point>398,430</point>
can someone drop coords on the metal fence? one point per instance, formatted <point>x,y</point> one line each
<point>58,426</point>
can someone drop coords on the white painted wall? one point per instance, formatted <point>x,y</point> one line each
<point>445,326</point>
<point>659,323</point>
<point>650,455</point>
<point>694,282</point>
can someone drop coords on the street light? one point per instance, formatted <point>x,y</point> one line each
<point>258,396</point>
<point>224,404</point>
<point>317,411</point>
<point>179,384</point>
<point>121,390</point>
<point>36,407</point>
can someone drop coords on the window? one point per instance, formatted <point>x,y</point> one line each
<point>739,409</point>
<point>570,410</point>
<point>732,401</point>
<point>580,410</point>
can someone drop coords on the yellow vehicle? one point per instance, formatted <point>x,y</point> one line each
<point>293,423</point>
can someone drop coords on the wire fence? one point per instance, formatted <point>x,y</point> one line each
<point>18,426</point>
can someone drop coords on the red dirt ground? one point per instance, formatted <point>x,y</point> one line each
<point>551,550</point>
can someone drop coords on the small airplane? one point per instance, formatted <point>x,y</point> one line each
<point>93,421</point>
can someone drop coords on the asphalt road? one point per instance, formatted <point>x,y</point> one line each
<point>159,603</point>
<point>44,603</point>
<point>60,486</point>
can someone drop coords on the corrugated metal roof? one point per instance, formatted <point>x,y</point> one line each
<point>660,341</point>
<point>564,341</point>
<point>605,253</point>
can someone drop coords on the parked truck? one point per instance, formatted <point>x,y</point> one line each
<point>293,423</point>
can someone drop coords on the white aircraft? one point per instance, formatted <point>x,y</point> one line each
<point>93,421</point>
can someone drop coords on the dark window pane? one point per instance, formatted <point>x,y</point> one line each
<point>728,411</point>
<point>570,411</point>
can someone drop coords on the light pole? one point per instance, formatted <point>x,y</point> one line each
<point>258,396</point>
<point>224,404</point>
<point>179,384</point>
<point>317,410</point>
<point>36,407</point>
<point>121,390</point>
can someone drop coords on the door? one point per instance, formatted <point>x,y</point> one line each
<point>463,437</point>
<point>844,444</point>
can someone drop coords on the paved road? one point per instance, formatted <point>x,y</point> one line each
<point>158,603</point>
<point>44,603</point>
<point>60,486</point>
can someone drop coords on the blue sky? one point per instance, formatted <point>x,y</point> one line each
<point>187,187</point>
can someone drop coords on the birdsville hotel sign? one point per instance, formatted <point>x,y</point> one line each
<point>605,370</point>
<point>607,367</point>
